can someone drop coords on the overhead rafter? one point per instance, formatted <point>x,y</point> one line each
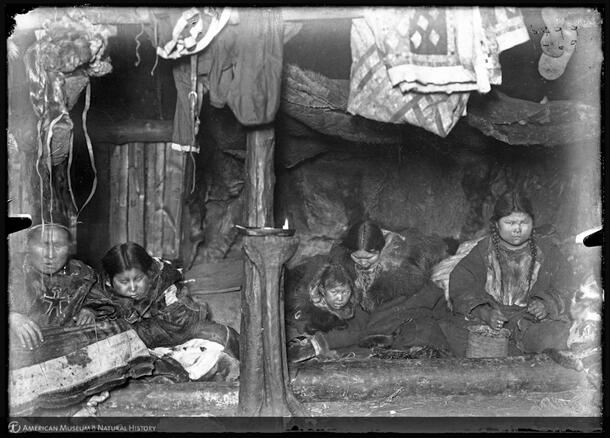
<point>144,15</point>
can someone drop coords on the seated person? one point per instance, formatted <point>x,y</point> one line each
<point>319,297</point>
<point>512,279</point>
<point>387,267</point>
<point>52,293</point>
<point>400,323</point>
<point>147,293</point>
<point>51,289</point>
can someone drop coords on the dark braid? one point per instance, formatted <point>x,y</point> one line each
<point>534,253</point>
<point>513,202</point>
<point>495,239</point>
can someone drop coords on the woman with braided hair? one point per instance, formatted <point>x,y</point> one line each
<point>512,279</point>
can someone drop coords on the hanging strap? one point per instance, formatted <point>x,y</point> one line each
<point>193,100</point>
<point>89,148</point>
<point>91,157</point>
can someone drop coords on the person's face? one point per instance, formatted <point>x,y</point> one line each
<point>365,258</point>
<point>132,283</point>
<point>337,296</point>
<point>515,229</point>
<point>50,251</point>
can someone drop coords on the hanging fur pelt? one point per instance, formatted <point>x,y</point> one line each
<point>58,66</point>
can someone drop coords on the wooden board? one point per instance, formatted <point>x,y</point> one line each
<point>157,192</point>
<point>146,197</point>
<point>219,275</point>
<point>172,202</point>
<point>137,193</point>
<point>117,222</point>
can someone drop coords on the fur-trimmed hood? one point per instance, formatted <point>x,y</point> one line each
<point>304,301</point>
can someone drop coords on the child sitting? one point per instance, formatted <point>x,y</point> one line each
<point>319,297</point>
<point>148,294</point>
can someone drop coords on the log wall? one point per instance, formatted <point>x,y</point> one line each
<point>146,184</point>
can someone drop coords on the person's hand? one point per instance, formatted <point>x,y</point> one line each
<point>538,309</point>
<point>27,331</point>
<point>494,318</point>
<point>84,317</point>
<point>300,349</point>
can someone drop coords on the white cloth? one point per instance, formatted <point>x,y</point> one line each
<point>197,356</point>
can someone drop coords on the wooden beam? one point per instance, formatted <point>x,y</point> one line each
<point>143,15</point>
<point>377,379</point>
<point>452,376</point>
<point>320,13</point>
<point>131,131</point>
<point>522,122</point>
<point>321,104</point>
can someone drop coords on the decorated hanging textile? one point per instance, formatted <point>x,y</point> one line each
<point>418,65</point>
<point>193,31</point>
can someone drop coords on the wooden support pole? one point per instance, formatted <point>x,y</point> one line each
<point>264,389</point>
<point>260,180</point>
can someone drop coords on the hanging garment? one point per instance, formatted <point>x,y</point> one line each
<point>418,65</point>
<point>373,96</point>
<point>241,67</point>
<point>246,67</point>
<point>431,49</point>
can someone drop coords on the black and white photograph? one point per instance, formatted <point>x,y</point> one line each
<point>276,217</point>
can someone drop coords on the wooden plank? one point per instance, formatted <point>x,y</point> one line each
<point>221,274</point>
<point>157,193</point>
<point>92,242</point>
<point>451,376</point>
<point>140,166</point>
<point>136,189</point>
<point>172,202</point>
<point>130,15</point>
<point>150,153</point>
<point>117,219</point>
<point>125,132</point>
<point>321,13</point>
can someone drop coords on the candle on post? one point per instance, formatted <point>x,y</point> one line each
<point>268,249</point>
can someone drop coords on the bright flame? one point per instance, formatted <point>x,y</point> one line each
<point>285,227</point>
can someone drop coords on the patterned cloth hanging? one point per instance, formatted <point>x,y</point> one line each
<point>418,65</point>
